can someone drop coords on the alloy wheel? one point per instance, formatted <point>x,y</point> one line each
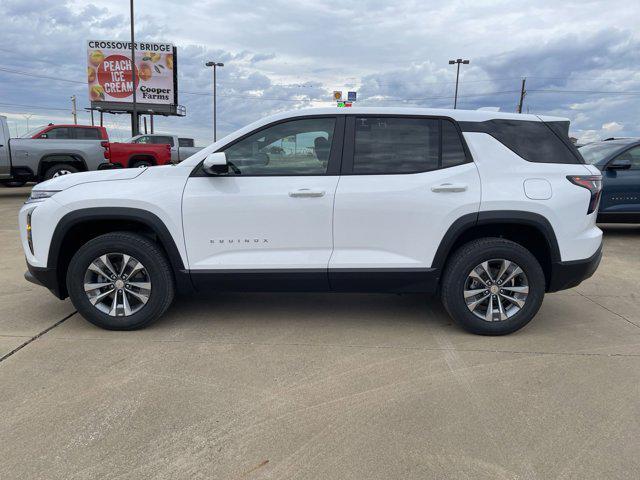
<point>117,284</point>
<point>496,290</point>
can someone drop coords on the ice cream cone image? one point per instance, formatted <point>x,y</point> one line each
<point>169,61</point>
<point>91,74</point>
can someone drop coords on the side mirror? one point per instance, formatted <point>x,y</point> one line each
<point>216,164</point>
<point>620,164</point>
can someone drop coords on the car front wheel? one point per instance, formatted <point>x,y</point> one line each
<point>120,281</point>
<point>492,286</point>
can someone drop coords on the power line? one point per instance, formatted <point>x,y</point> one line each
<point>28,74</point>
<point>33,106</point>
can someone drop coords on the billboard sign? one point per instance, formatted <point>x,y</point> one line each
<point>110,79</point>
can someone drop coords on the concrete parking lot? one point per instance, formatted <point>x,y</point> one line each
<point>321,386</point>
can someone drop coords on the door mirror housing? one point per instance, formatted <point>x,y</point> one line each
<point>216,164</point>
<point>620,164</point>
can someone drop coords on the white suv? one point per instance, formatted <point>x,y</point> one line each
<point>490,210</point>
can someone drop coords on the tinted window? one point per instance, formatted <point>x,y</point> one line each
<point>145,139</point>
<point>533,141</point>
<point>298,147</point>
<point>185,142</point>
<point>162,140</point>
<point>594,153</point>
<point>87,134</point>
<point>633,155</point>
<point>395,145</point>
<point>452,150</point>
<point>58,133</point>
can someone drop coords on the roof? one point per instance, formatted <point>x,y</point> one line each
<point>459,115</point>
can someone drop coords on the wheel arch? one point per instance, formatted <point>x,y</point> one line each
<point>80,226</point>
<point>51,159</point>
<point>138,156</point>
<point>531,230</point>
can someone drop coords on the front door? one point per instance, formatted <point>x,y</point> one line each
<point>621,189</point>
<point>267,224</point>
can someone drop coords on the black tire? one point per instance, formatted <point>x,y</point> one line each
<point>139,247</point>
<point>59,169</point>
<point>140,163</point>
<point>473,254</point>
<point>14,183</point>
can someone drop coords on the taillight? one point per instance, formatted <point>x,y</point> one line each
<point>105,145</point>
<point>593,183</point>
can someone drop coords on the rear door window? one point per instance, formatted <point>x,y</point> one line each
<point>185,142</point>
<point>162,140</point>
<point>87,133</point>
<point>391,145</point>
<point>452,149</point>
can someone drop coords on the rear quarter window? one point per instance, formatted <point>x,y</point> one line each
<point>533,141</point>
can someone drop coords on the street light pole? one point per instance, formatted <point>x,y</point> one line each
<point>214,65</point>
<point>134,110</point>
<point>458,62</point>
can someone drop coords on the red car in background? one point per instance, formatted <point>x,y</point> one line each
<point>122,154</point>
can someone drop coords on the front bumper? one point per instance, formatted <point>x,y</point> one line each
<point>569,274</point>
<point>45,277</point>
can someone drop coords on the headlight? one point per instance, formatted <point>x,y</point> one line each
<point>39,195</point>
<point>29,234</point>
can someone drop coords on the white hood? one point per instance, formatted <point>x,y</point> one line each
<point>66,181</point>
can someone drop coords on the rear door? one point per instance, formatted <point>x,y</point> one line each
<point>621,188</point>
<point>405,181</point>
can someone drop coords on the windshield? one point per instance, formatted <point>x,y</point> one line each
<point>32,132</point>
<point>595,152</point>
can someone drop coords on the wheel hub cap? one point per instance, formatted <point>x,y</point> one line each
<point>496,290</point>
<point>117,284</point>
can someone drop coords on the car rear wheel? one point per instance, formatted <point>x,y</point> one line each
<point>493,286</point>
<point>141,164</point>
<point>120,281</point>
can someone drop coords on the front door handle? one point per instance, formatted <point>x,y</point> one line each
<point>306,192</point>
<point>449,187</point>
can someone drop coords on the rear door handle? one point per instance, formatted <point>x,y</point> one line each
<point>449,187</point>
<point>306,192</point>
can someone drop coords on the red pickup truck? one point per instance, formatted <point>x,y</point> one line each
<point>122,154</point>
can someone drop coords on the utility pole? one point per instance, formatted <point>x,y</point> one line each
<point>214,65</point>
<point>523,92</point>
<point>134,111</point>
<point>74,111</point>
<point>458,62</point>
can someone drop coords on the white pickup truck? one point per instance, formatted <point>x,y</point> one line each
<point>181,147</point>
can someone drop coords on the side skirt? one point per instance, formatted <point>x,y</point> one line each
<point>404,280</point>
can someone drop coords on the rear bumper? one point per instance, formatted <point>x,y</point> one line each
<point>45,277</point>
<point>569,274</point>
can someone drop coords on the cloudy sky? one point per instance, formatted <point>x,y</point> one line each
<point>581,58</point>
